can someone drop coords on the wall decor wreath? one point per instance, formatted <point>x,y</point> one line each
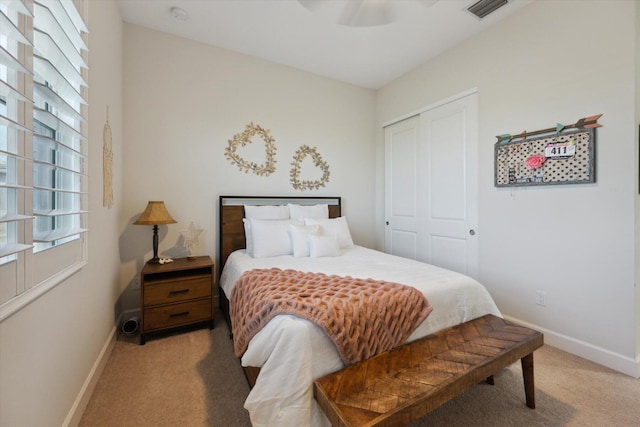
<point>301,153</point>
<point>244,138</point>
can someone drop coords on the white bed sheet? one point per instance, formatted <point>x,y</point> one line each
<point>293,352</point>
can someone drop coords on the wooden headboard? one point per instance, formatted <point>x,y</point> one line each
<point>231,230</point>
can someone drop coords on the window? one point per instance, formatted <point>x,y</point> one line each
<point>43,148</point>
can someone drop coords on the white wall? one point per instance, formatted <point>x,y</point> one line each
<point>551,62</point>
<point>50,351</point>
<point>184,100</point>
<point>637,173</point>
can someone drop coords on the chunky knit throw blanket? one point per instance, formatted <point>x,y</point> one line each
<point>363,317</point>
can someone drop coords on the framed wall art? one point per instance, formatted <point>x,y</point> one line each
<point>549,156</point>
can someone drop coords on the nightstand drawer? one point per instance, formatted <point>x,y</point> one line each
<point>177,290</point>
<point>176,314</point>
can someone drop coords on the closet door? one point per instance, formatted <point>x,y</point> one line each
<point>451,192</point>
<point>402,176</point>
<point>431,186</point>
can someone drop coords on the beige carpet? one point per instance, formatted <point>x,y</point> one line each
<point>193,379</point>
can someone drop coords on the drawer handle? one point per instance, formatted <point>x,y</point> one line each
<point>178,292</point>
<point>182,313</point>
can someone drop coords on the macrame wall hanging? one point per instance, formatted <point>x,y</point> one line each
<point>107,165</point>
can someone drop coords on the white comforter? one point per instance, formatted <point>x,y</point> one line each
<point>293,352</point>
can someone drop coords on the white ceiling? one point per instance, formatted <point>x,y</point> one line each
<point>286,32</point>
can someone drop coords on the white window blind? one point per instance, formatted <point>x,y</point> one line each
<point>43,147</point>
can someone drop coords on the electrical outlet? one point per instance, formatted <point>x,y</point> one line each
<point>135,283</point>
<point>541,298</point>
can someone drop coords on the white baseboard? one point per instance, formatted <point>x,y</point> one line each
<point>599,355</point>
<point>75,414</point>
<point>79,405</point>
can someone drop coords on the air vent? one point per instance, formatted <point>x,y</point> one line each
<point>485,7</point>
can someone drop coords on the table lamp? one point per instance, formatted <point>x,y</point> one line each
<point>155,213</point>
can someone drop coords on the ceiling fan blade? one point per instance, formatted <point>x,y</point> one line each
<point>427,3</point>
<point>349,12</point>
<point>366,13</point>
<point>313,5</point>
<point>357,13</point>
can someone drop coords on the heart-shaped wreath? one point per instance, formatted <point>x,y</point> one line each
<point>243,139</point>
<point>301,153</point>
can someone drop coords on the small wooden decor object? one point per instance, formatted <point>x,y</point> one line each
<point>399,386</point>
<point>548,156</point>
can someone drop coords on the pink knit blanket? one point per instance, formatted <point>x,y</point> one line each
<point>363,317</point>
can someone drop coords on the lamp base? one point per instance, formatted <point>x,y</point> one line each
<point>154,261</point>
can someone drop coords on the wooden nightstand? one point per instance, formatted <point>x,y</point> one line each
<point>176,294</point>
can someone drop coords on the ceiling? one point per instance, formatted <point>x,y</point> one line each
<point>308,36</point>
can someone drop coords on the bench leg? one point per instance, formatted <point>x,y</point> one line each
<point>527,375</point>
<point>490,380</point>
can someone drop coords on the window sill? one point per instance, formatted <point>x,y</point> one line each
<point>16,304</point>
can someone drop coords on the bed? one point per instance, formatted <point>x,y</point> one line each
<point>289,353</point>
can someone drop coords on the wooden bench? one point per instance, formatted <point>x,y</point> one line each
<point>401,385</point>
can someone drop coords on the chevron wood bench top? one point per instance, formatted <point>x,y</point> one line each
<point>401,385</point>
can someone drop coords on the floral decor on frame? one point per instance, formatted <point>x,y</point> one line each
<point>301,153</point>
<point>535,161</point>
<point>244,138</point>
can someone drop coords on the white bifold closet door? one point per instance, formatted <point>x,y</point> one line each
<point>431,186</point>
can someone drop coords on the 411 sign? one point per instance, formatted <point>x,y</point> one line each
<point>561,150</point>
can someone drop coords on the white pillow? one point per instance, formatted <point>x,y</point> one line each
<point>266,211</point>
<point>261,212</point>
<point>334,227</point>
<point>300,238</point>
<point>248,238</point>
<point>271,237</point>
<point>323,246</point>
<point>308,211</point>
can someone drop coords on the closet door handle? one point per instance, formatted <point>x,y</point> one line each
<point>472,232</point>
